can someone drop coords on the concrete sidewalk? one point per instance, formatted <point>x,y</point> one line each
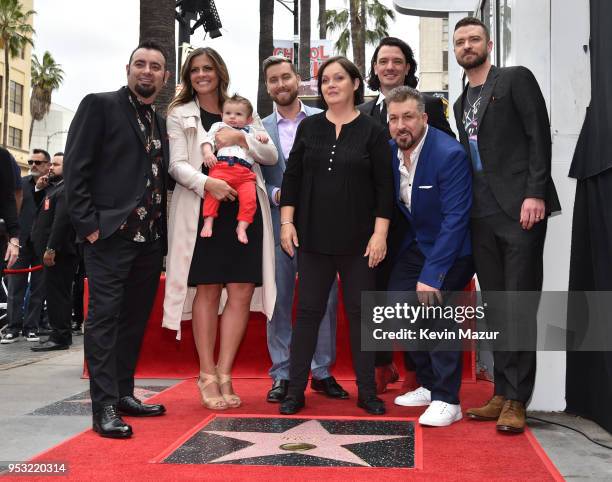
<point>35,415</point>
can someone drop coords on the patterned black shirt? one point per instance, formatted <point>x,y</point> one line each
<point>142,224</point>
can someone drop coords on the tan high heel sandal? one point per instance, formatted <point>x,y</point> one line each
<point>232,400</point>
<point>212,403</point>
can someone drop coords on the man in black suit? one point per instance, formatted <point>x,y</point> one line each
<point>116,179</point>
<point>503,125</point>
<point>53,238</point>
<point>392,65</point>
<point>33,186</point>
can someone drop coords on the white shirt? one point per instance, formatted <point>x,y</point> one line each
<point>407,175</point>
<point>380,102</point>
<point>235,151</point>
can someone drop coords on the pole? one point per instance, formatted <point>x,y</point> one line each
<point>296,33</point>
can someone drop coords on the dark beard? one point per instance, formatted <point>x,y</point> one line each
<point>476,62</point>
<point>405,145</point>
<point>144,92</point>
<point>289,102</point>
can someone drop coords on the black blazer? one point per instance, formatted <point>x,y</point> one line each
<point>106,165</point>
<point>513,139</point>
<point>29,206</point>
<point>52,227</point>
<point>8,207</point>
<point>433,107</point>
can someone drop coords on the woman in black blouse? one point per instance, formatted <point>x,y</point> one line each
<point>336,202</point>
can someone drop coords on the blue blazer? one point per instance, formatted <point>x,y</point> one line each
<point>273,175</point>
<point>440,205</point>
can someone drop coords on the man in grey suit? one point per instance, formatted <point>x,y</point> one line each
<point>282,83</point>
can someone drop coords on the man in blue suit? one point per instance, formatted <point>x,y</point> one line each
<point>282,82</point>
<point>433,189</point>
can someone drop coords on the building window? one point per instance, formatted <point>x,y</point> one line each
<point>445,61</point>
<point>21,53</point>
<point>14,139</point>
<point>16,98</point>
<point>445,31</point>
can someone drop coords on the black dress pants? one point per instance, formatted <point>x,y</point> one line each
<point>18,320</point>
<point>317,272</point>
<point>58,285</point>
<point>509,258</point>
<point>123,279</point>
<point>437,370</point>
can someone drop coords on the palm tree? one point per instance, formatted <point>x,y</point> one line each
<point>304,55</point>
<point>266,47</point>
<point>322,17</point>
<point>15,34</point>
<point>353,26</point>
<point>358,25</point>
<point>46,78</point>
<point>157,24</point>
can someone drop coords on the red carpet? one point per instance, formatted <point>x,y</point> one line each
<point>465,451</point>
<point>162,356</point>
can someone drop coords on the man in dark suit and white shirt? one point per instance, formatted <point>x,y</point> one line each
<point>54,242</point>
<point>115,171</point>
<point>282,82</point>
<point>503,125</point>
<point>392,65</point>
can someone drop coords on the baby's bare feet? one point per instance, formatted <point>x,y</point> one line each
<point>242,235</point>
<point>207,228</point>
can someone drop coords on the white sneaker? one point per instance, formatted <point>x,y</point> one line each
<point>31,336</point>
<point>9,338</point>
<point>441,414</point>
<point>417,398</point>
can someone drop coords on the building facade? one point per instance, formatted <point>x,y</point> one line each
<point>433,54</point>
<point>50,133</point>
<point>20,81</point>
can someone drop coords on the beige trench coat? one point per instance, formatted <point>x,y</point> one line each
<point>186,137</point>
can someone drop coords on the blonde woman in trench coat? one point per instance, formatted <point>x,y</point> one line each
<point>205,80</point>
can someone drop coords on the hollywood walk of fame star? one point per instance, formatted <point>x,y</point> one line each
<point>309,434</point>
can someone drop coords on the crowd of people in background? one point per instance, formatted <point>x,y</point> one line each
<point>378,195</point>
<point>40,302</point>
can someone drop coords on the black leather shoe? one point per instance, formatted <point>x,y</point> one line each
<point>372,404</point>
<point>330,387</point>
<point>290,406</point>
<point>278,392</point>
<point>50,345</point>
<point>133,407</point>
<point>107,423</point>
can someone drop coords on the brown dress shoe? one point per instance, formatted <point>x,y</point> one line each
<point>490,411</point>
<point>512,418</point>
<point>384,375</point>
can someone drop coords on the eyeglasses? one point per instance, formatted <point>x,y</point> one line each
<point>38,163</point>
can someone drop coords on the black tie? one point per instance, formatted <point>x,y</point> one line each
<point>383,114</point>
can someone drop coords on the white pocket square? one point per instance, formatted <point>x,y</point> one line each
<point>425,187</point>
